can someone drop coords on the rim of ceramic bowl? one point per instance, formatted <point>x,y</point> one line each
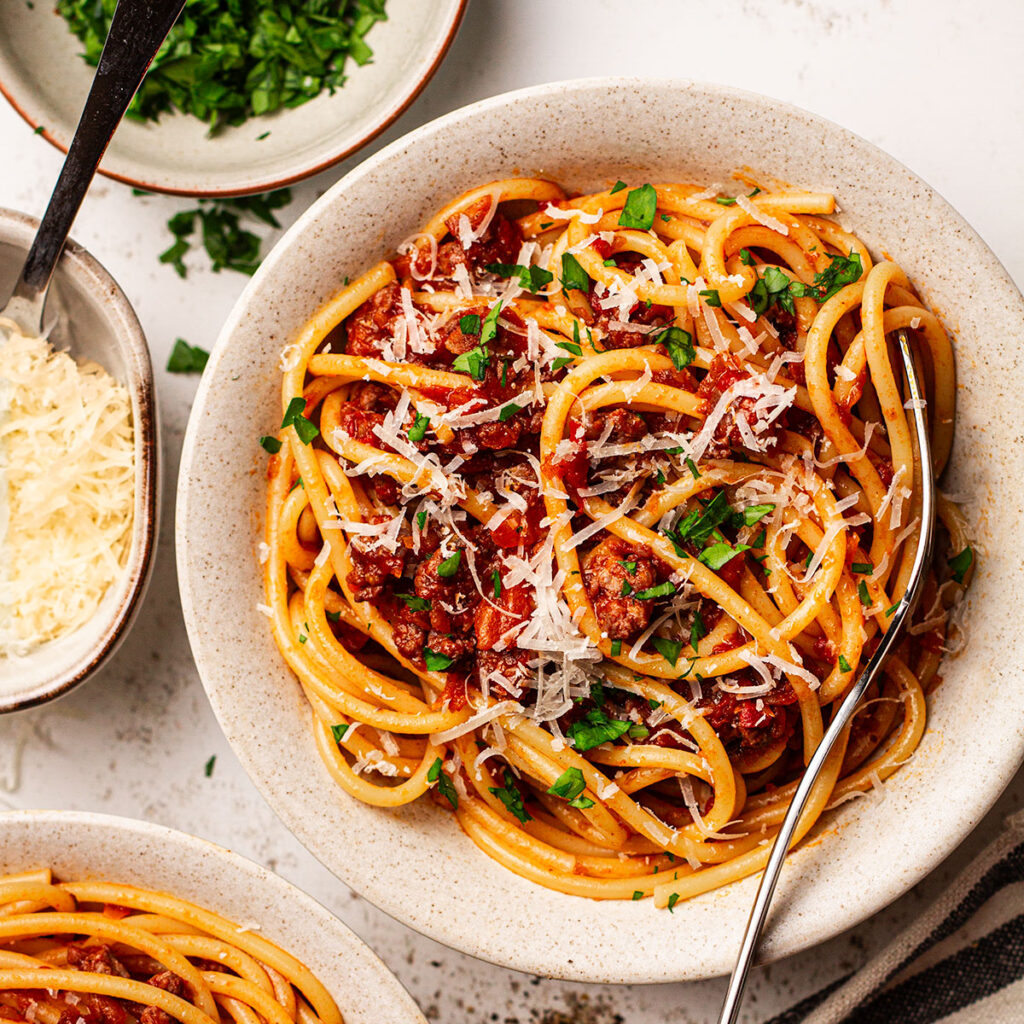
<point>801,928</point>
<point>77,263</point>
<point>284,180</point>
<point>251,878</point>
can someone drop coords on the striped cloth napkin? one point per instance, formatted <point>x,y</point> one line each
<point>961,962</point>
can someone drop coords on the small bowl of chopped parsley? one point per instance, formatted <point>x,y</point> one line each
<point>244,96</point>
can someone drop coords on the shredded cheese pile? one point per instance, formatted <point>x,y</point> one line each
<point>66,489</point>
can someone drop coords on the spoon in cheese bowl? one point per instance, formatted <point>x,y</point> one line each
<point>78,448</point>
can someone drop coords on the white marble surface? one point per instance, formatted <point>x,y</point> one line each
<point>935,82</point>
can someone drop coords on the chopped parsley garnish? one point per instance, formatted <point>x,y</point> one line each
<point>507,411</point>
<point>470,323</point>
<point>660,478</point>
<point>293,417</point>
<point>666,589</point>
<point>717,555</point>
<point>711,297</point>
<point>333,616</point>
<point>270,444</point>
<point>843,270</point>
<point>627,589</point>
<point>844,665</point>
<point>474,362</point>
<point>668,649</point>
<point>569,786</point>
<point>892,608</point>
<point>496,581</point>
<point>531,279</point>
<point>227,243</point>
<point>616,648</point>
<point>679,346</point>
<point>421,519</point>
<point>629,565</point>
<point>746,258</point>
<point>961,563</point>
<point>692,467</point>
<point>638,732</point>
<point>414,603</point>
<point>208,767</point>
<point>753,514</point>
<point>225,61</point>
<point>338,732</point>
<point>725,200</point>
<point>510,796</point>
<point>672,901</point>
<point>444,784</point>
<point>862,593</point>
<point>637,894</point>
<point>436,662</point>
<point>775,287</point>
<point>863,567</point>
<point>574,277</point>
<point>697,629</point>
<point>596,728</point>
<point>617,187</point>
<point>450,566</point>
<point>186,358</point>
<point>419,428</point>
<point>638,211</point>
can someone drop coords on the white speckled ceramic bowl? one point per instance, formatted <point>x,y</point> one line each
<point>79,845</point>
<point>46,81</point>
<point>93,320</point>
<point>415,863</point>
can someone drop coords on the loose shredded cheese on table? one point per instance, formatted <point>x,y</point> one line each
<point>67,469</point>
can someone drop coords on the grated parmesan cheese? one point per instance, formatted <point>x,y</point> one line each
<point>67,475</point>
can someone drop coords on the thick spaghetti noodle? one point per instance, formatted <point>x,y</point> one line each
<point>107,953</point>
<point>584,513</point>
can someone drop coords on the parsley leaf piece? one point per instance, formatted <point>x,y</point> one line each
<point>186,358</point>
<point>637,731</point>
<point>470,323</point>
<point>666,589</point>
<point>474,362</point>
<point>961,563</point>
<point>668,649</point>
<point>711,297</point>
<point>843,270</point>
<point>844,665</point>
<point>444,784</point>
<point>725,200</point>
<point>333,616</point>
<point>436,662</point>
<point>414,603</point>
<point>637,894</point>
<point>338,732</point>
<point>679,346</point>
<point>574,277</point>
<point>569,785</point>
<point>692,467</point>
<point>697,629</point>
<point>421,519</point>
<point>208,767</point>
<point>746,258</point>
<point>715,556</point>
<point>672,901</point>
<point>638,212</point>
<point>293,417</point>
<point>862,593</point>
<point>616,648</point>
<point>892,608</point>
<point>450,566</point>
<point>270,444</point>
<point>489,328</point>
<point>596,728</point>
<point>419,428</point>
<point>510,796</point>
<point>508,410</point>
<point>863,567</point>
<point>753,514</point>
<point>617,187</point>
<point>496,581</point>
<point>531,279</point>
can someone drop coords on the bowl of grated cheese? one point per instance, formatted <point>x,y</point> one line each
<point>78,475</point>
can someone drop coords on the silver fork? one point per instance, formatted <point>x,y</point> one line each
<point>766,890</point>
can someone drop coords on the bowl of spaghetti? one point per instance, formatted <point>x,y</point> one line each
<point>586,489</point>
<point>106,919</point>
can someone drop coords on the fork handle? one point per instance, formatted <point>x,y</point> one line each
<point>137,31</point>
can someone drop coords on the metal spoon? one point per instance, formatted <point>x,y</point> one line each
<point>925,480</point>
<point>137,31</point>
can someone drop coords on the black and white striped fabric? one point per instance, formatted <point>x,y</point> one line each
<point>962,962</point>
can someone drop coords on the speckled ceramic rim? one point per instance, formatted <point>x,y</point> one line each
<point>77,264</point>
<point>301,173</point>
<point>78,844</point>
<point>413,862</point>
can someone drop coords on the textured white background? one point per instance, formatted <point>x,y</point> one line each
<point>937,83</point>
